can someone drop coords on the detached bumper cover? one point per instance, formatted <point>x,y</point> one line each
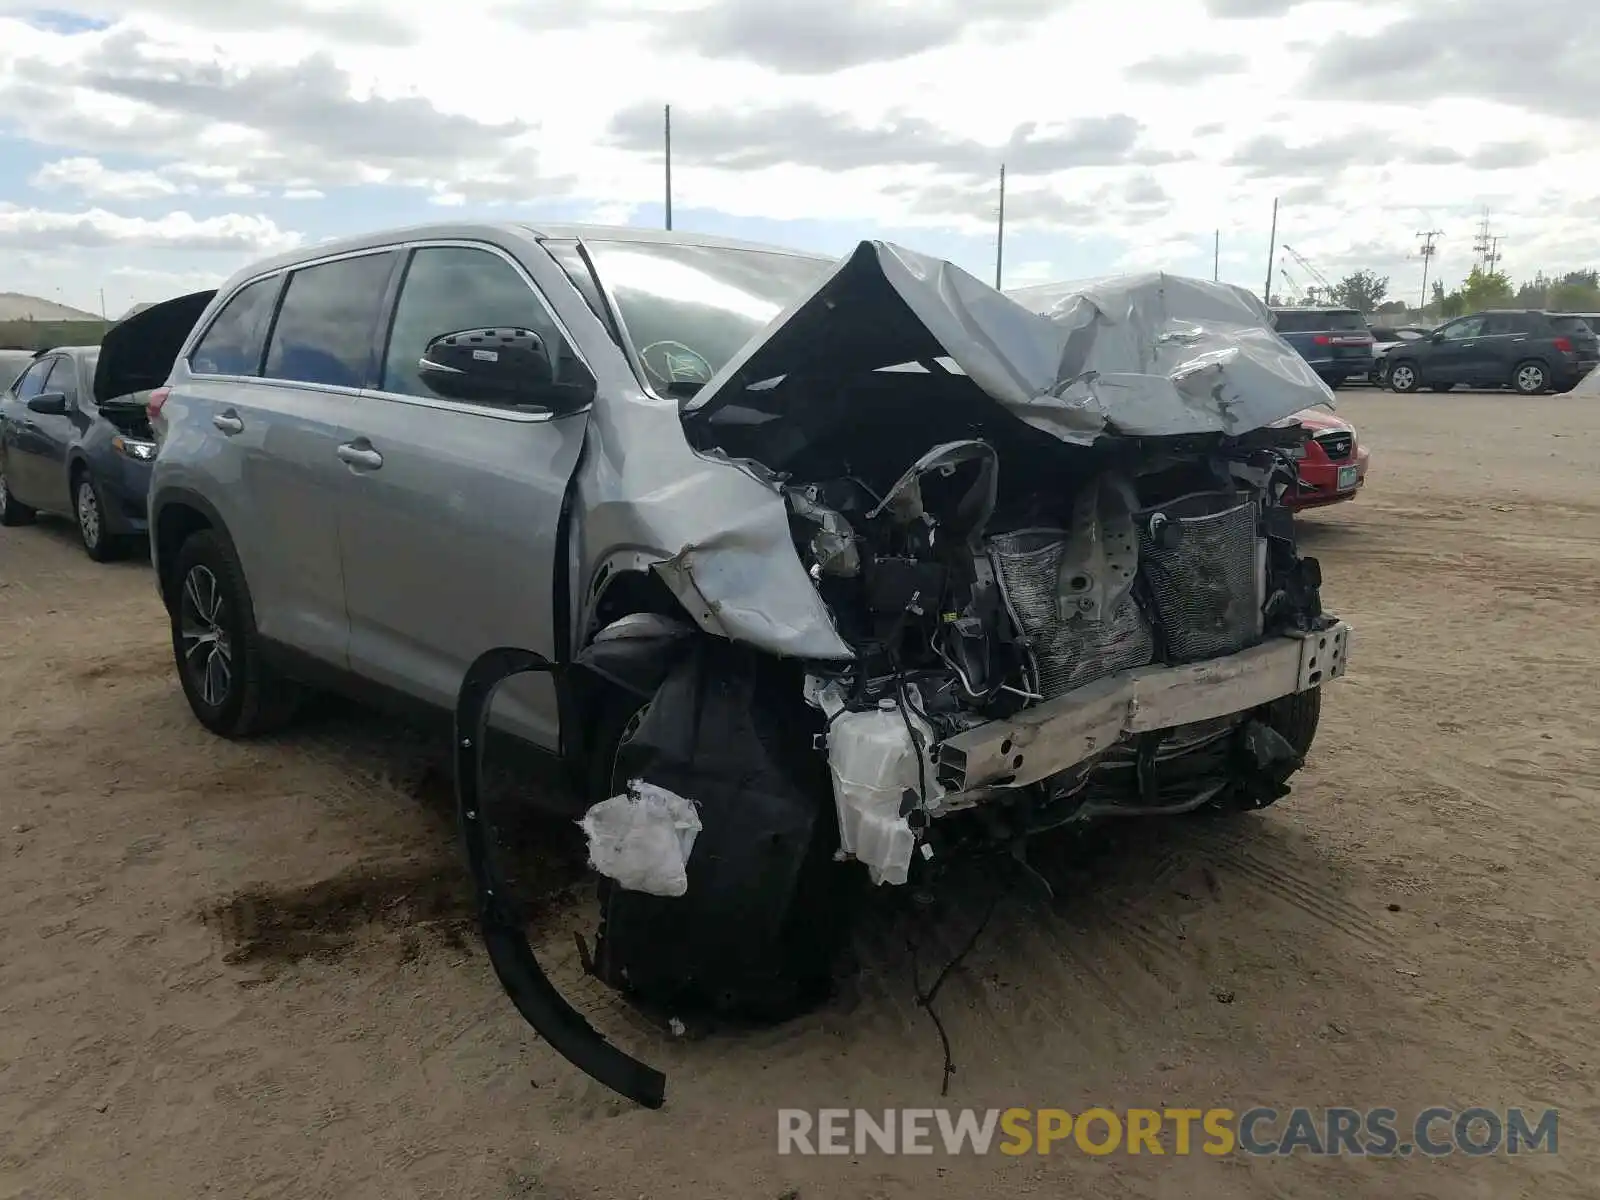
<point>1051,737</point>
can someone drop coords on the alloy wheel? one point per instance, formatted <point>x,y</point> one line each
<point>88,514</point>
<point>1401,378</point>
<point>207,648</point>
<point>1530,379</point>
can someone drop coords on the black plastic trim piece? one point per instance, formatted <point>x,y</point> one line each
<point>505,938</point>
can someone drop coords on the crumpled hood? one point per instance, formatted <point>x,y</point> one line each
<point>1145,355</point>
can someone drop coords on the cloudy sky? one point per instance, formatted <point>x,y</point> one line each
<point>149,146</point>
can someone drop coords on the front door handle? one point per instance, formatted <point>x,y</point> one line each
<point>228,422</point>
<point>360,454</point>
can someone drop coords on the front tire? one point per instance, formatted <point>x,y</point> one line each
<point>12,511</point>
<point>219,655</point>
<point>1295,717</point>
<point>1403,376</point>
<point>90,514</point>
<point>1530,377</point>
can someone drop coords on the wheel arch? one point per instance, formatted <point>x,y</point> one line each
<point>175,515</point>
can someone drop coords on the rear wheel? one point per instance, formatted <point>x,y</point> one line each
<point>1530,378</point>
<point>12,510</point>
<point>230,688</point>
<point>1403,376</point>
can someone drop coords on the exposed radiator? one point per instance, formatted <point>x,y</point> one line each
<point>1197,555</point>
<point>1067,653</point>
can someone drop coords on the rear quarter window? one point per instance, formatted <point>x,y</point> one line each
<point>1570,325</point>
<point>232,346</point>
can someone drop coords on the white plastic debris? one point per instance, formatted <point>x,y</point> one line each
<point>874,763</point>
<point>643,838</point>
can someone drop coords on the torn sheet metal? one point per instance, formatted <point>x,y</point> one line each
<point>642,838</point>
<point>716,532</point>
<point>1148,355</point>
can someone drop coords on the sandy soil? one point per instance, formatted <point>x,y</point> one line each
<point>247,970</point>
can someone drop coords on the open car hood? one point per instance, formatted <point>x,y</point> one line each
<point>1137,355</point>
<point>137,353</point>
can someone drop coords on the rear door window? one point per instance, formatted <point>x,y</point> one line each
<point>328,320</point>
<point>232,346</point>
<point>1497,324</point>
<point>452,288</point>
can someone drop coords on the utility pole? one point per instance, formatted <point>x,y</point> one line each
<point>1000,233</point>
<point>102,304</point>
<point>1494,255</point>
<point>1428,251</point>
<point>668,133</point>
<point>1216,256</point>
<point>1272,249</point>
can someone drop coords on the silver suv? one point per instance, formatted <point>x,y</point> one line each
<point>825,565</point>
<point>370,451</point>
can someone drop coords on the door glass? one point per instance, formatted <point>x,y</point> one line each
<point>64,379</point>
<point>232,346</point>
<point>451,288</point>
<point>1496,324</point>
<point>1462,330</point>
<point>32,381</point>
<point>327,322</point>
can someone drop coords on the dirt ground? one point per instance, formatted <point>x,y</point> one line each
<point>248,970</point>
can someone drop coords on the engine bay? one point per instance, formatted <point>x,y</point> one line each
<point>1001,570</point>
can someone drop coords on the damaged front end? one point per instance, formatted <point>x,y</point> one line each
<point>1041,572</point>
<point>1055,542</point>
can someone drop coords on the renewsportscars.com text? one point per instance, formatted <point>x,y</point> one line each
<point>1433,1132</point>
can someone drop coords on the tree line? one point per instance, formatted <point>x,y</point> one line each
<point>1368,292</point>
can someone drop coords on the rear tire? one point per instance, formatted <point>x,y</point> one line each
<point>218,653</point>
<point>1530,377</point>
<point>12,511</point>
<point>1403,376</point>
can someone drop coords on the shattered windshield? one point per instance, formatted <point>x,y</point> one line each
<point>689,309</point>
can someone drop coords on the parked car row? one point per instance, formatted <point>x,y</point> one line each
<point>1527,350</point>
<point>849,566</point>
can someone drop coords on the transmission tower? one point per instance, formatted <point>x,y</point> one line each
<point>1483,244</point>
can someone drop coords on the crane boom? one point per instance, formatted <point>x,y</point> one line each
<point>1308,268</point>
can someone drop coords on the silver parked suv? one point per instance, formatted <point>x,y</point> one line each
<point>836,563</point>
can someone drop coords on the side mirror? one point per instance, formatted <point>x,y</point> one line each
<point>50,404</point>
<point>1436,336</point>
<point>508,366</point>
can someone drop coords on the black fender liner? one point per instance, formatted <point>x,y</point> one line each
<point>504,936</point>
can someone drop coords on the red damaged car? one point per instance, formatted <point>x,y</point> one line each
<point>1333,464</point>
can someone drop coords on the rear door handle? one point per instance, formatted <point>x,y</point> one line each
<point>360,454</point>
<point>228,422</point>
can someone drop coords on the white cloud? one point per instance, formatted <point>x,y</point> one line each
<point>96,228</point>
<point>90,177</point>
<point>1131,134</point>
